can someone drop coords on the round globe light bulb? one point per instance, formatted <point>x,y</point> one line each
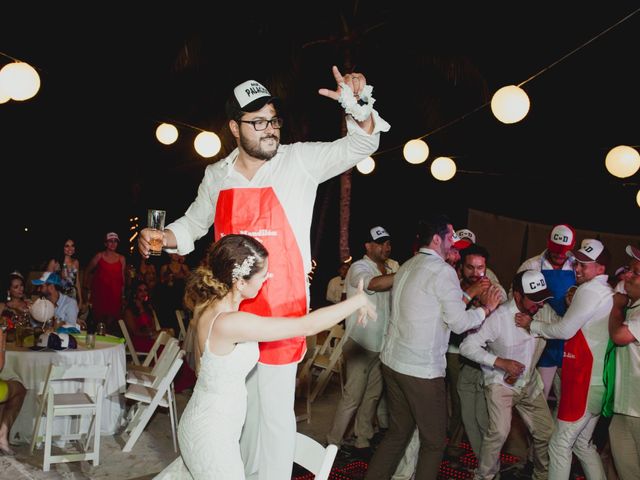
<point>19,80</point>
<point>622,161</point>
<point>4,97</point>
<point>166,133</point>
<point>443,168</point>
<point>366,166</point>
<point>638,198</point>
<point>207,144</point>
<point>415,151</point>
<point>510,104</point>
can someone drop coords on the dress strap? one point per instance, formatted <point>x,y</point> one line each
<point>210,328</point>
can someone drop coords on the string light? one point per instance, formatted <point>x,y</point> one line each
<point>622,161</point>
<point>366,166</point>
<point>166,133</point>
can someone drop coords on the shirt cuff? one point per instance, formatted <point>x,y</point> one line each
<point>379,124</point>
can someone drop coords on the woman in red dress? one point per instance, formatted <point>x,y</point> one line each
<point>106,272</point>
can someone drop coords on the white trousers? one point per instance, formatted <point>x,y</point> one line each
<point>575,437</point>
<point>267,443</point>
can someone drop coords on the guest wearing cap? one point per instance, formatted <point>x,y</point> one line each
<point>105,272</point>
<point>12,395</point>
<point>585,329</point>
<point>277,209</point>
<point>508,355</point>
<point>557,265</point>
<point>66,308</point>
<point>427,306</point>
<point>364,386</point>
<point>624,330</point>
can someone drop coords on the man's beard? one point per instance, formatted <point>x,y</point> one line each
<point>255,150</point>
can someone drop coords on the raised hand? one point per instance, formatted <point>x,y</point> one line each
<point>355,81</point>
<point>368,309</point>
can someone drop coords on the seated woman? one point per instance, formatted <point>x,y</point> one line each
<point>138,315</point>
<point>17,305</point>
<point>12,394</point>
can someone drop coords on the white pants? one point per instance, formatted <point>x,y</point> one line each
<point>575,437</point>
<point>268,438</point>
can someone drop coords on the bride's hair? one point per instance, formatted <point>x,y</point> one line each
<point>231,258</point>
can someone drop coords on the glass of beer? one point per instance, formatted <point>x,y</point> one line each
<point>155,221</point>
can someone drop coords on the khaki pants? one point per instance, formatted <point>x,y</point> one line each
<point>536,416</point>
<point>624,435</point>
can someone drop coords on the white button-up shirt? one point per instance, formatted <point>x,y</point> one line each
<point>427,305</point>
<point>499,336</point>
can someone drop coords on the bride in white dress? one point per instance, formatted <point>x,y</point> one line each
<point>210,427</point>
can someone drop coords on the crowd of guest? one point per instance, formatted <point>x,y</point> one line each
<point>459,358</point>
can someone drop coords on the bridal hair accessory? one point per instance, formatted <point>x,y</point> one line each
<point>241,271</point>
<point>358,109</point>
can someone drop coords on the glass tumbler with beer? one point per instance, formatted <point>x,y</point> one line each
<point>155,221</point>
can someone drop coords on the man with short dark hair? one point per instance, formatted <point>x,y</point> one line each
<point>267,190</point>
<point>426,306</point>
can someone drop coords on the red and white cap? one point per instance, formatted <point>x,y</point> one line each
<point>561,239</point>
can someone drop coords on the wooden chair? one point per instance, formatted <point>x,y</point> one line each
<point>314,457</point>
<point>329,363</point>
<point>81,403</point>
<point>148,374</point>
<point>152,356</point>
<point>303,383</point>
<point>147,399</point>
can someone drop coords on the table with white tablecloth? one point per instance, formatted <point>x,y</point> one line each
<point>31,367</point>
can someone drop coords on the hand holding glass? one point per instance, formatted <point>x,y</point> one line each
<point>155,221</point>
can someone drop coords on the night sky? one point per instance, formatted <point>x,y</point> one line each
<point>107,84</point>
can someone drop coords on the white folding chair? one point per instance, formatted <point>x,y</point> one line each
<point>131,349</point>
<point>86,401</point>
<point>183,331</point>
<point>147,376</point>
<point>152,356</point>
<point>328,364</point>
<point>303,383</point>
<point>156,322</point>
<point>314,457</point>
<point>147,399</point>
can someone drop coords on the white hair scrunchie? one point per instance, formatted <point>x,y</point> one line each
<point>358,109</point>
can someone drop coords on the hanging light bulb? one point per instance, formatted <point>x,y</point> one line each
<point>443,168</point>
<point>622,161</point>
<point>166,133</point>
<point>510,104</point>
<point>415,151</point>
<point>4,97</point>
<point>638,198</point>
<point>207,144</point>
<point>19,80</point>
<point>366,166</point>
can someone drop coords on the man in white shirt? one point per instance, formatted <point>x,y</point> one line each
<point>336,288</point>
<point>508,355</point>
<point>585,329</point>
<point>361,350</point>
<point>624,329</point>
<point>267,190</point>
<point>50,287</point>
<point>426,306</point>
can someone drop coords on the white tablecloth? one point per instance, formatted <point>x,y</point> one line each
<point>31,367</point>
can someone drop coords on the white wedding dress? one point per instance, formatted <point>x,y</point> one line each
<point>210,427</point>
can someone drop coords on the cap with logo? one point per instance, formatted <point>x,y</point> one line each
<point>534,286</point>
<point>378,235</point>
<point>561,239</point>
<point>249,96</point>
<point>52,278</point>
<point>463,238</point>
<point>55,341</point>
<point>593,252</point>
<point>112,235</point>
<point>633,251</point>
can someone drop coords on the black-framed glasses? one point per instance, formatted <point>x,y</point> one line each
<point>261,124</point>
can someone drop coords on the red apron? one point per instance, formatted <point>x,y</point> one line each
<point>577,364</point>
<point>257,212</point>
